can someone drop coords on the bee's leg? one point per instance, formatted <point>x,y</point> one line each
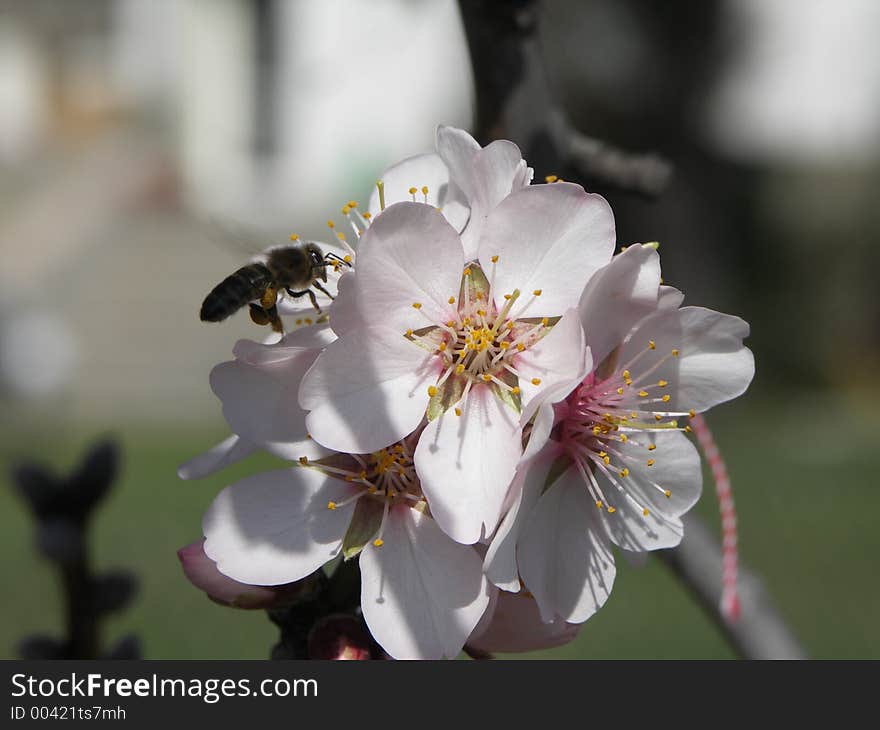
<point>318,286</point>
<point>258,314</point>
<point>274,319</point>
<point>298,294</point>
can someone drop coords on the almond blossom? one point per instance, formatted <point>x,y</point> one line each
<point>423,333</point>
<point>618,467</point>
<point>422,594</point>
<point>463,180</point>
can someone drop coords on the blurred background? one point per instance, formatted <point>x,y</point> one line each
<point>126,124</point>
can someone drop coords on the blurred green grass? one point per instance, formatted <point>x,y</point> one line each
<point>805,481</point>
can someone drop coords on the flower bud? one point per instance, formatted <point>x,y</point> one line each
<point>339,637</point>
<point>202,572</point>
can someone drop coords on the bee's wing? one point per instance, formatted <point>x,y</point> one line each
<point>238,237</point>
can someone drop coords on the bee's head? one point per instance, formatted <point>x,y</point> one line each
<point>316,257</point>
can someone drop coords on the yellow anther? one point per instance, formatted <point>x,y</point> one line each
<point>345,210</point>
<point>597,430</point>
<point>331,224</point>
<point>459,369</point>
<point>626,375</point>
<point>688,429</point>
<point>442,347</point>
<point>651,447</point>
<point>676,352</point>
<point>417,305</point>
<point>298,322</point>
<point>646,512</point>
<point>624,472</point>
<point>603,454</point>
<point>633,414</point>
<point>466,272</point>
<point>495,259</point>
<point>658,417</point>
<point>487,378</point>
<point>304,460</point>
<point>667,493</point>
<point>650,462</point>
<point>378,542</point>
<point>536,381</point>
<point>606,459</point>
<point>340,235</point>
<point>545,321</point>
<point>624,438</point>
<point>520,346</point>
<point>599,504</point>
<point>347,258</point>
<point>413,190</point>
<point>432,390</point>
<point>458,411</point>
<point>451,300</point>
<point>409,333</point>
<point>666,398</point>
<point>537,292</point>
<point>652,345</point>
<point>510,324</point>
<point>692,413</point>
<point>352,204</point>
<point>662,383</point>
<point>620,391</point>
<point>643,393</point>
<point>371,489</point>
<point>424,189</point>
<point>611,510</point>
<point>367,216</point>
<point>515,390</point>
<point>294,237</point>
<point>331,505</point>
<point>550,179</point>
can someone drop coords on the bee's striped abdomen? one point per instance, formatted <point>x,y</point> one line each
<point>236,290</point>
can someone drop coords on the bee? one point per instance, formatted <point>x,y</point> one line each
<point>294,268</point>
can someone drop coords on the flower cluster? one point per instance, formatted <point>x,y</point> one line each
<point>494,400</point>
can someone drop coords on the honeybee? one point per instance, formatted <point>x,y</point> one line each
<point>294,268</point>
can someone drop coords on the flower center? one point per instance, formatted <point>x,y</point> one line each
<point>608,419</point>
<point>480,343</point>
<point>387,476</point>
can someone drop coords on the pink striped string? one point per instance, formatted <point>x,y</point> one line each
<point>730,603</point>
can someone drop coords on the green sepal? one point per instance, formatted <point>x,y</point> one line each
<point>514,400</point>
<point>365,523</point>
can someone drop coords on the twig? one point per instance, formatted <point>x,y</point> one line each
<point>514,101</point>
<point>759,633</point>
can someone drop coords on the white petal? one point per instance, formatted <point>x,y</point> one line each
<point>410,254</point>
<point>228,451</point>
<point>547,237</point>
<point>564,555</point>
<point>676,468</point>
<point>669,298</point>
<point>617,297</point>
<point>516,626</point>
<point>466,464</point>
<point>275,527</point>
<point>426,170</point>
<point>713,365</point>
<point>367,390</point>
<point>421,593</point>
<point>500,562</point>
<point>554,360</point>
<point>260,401</point>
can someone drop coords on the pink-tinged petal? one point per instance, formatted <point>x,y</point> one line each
<point>466,463</point>
<point>713,365</point>
<point>275,527</point>
<point>457,149</point>
<point>669,298</point>
<point>516,626</point>
<point>202,572</point>
<point>553,361</point>
<point>551,238</point>
<point>367,390</point>
<point>564,555</point>
<point>228,451</point>
<point>426,170</point>
<point>409,255</point>
<point>260,402</point>
<point>675,467</point>
<point>500,562</point>
<point>618,296</point>
<point>421,593</point>
<point>496,171</point>
<point>346,314</point>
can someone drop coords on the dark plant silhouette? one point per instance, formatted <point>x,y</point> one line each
<point>62,508</point>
